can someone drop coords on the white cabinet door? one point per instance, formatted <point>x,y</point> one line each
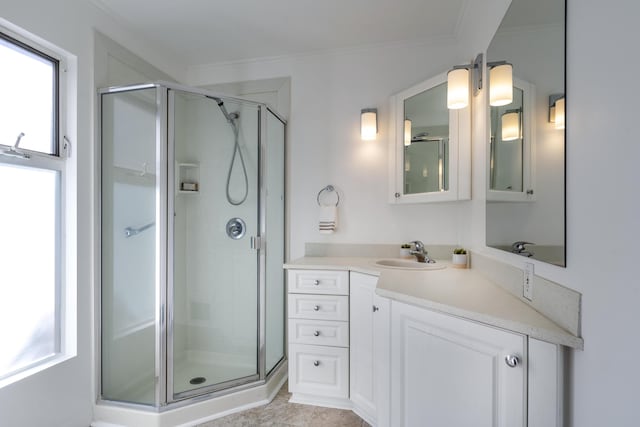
<point>447,371</point>
<point>369,325</point>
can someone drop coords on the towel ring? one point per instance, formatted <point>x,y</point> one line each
<point>328,188</point>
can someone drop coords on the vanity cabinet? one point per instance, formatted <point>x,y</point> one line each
<point>318,312</point>
<point>369,352</point>
<point>447,371</point>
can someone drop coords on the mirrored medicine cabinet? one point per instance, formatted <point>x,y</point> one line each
<point>430,151</point>
<point>525,207</point>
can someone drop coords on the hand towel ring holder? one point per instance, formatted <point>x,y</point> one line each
<point>328,188</point>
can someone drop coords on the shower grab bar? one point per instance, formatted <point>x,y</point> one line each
<point>130,231</point>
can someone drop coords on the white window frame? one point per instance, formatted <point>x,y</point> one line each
<point>65,163</point>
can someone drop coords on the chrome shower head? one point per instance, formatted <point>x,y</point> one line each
<point>231,117</point>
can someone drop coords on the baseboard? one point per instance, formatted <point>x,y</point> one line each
<point>327,402</point>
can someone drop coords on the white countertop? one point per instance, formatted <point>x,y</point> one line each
<point>459,292</point>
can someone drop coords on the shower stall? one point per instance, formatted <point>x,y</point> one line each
<point>192,245</point>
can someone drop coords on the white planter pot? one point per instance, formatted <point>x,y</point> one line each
<point>459,261</point>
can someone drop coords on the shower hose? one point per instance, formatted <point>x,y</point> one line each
<point>237,151</point>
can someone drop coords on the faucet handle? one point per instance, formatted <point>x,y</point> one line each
<point>520,246</point>
<point>419,245</point>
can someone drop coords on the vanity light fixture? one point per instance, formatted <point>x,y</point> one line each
<point>458,83</point>
<point>369,124</point>
<point>511,125</point>
<point>500,83</point>
<point>407,132</point>
<point>556,110</point>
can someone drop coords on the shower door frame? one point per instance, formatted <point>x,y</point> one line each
<point>164,291</point>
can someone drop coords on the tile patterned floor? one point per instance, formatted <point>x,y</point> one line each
<point>281,413</point>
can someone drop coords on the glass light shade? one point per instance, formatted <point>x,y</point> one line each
<point>559,114</point>
<point>457,88</point>
<point>501,85</point>
<point>407,132</point>
<point>368,124</point>
<point>510,126</point>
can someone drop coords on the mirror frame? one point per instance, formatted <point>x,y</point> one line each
<point>528,150</point>
<point>459,150</point>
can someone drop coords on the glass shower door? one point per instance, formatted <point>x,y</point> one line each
<point>213,162</point>
<point>131,211</point>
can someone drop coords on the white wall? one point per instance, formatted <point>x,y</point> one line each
<point>604,210</point>
<point>63,395</point>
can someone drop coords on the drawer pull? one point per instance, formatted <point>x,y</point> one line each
<point>316,363</point>
<point>375,308</point>
<point>316,282</point>
<point>316,308</point>
<point>316,334</point>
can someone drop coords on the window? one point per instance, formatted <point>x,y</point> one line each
<point>32,207</point>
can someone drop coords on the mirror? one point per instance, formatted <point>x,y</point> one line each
<point>511,152</point>
<point>430,154</point>
<point>426,142</point>
<point>526,149</point>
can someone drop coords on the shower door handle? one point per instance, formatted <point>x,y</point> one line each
<point>256,242</point>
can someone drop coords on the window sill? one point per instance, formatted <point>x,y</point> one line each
<point>46,364</point>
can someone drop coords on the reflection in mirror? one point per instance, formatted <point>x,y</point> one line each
<point>426,152</point>
<point>506,155</point>
<point>526,198</point>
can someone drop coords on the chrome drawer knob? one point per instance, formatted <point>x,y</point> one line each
<point>316,307</point>
<point>316,282</point>
<point>316,363</point>
<point>316,334</point>
<point>375,308</point>
<point>512,360</point>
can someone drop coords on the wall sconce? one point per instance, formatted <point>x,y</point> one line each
<point>500,83</point>
<point>511,125</point>
<point>556,110</point>
<point>458,83</point>
<point>407,132</point>
<point>368,124</point>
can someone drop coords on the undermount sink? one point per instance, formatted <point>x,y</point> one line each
<point>403,264</point>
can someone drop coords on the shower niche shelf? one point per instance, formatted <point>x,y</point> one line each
<point>188,178</point>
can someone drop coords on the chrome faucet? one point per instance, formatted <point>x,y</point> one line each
<point>520,249</point>
<point>420,253</point>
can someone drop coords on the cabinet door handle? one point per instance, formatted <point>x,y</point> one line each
<point>316,363</point>
<point>316,308</point>
<point>375,308</point>
<point>316,282</point>
<point>512,360</point>
<point>316,334</point>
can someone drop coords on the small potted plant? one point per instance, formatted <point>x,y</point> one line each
<point>459,259</point>
<point>405,250</point>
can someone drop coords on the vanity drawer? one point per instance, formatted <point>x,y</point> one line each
<point>318,332</point>
<point>322,307</point>
<point>319,370</point>
<point>318,282</point>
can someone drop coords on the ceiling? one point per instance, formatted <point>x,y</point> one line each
<point>212,31</point>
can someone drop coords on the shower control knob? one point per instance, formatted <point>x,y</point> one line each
<point>316,363</point>
<point>316,308</point>
<point>316,334</point>
<point>316,282</point>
